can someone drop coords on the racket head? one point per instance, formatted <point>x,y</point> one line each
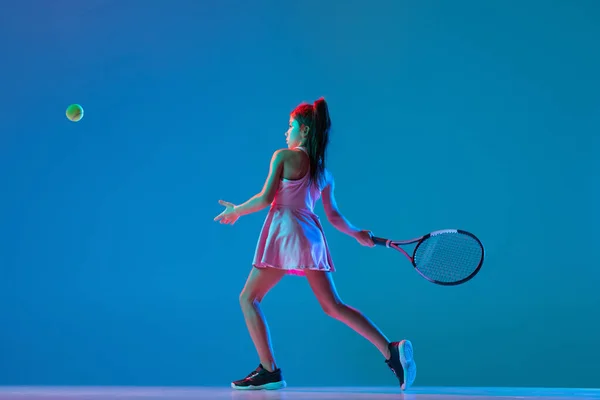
<point>448,257</point>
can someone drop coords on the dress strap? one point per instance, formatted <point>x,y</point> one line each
<point>302,148</point>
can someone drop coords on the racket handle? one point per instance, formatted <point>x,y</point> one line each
<point>380,241</point>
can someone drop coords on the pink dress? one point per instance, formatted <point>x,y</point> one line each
<point>292,236</point>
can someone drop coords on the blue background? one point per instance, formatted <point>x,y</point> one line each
<point>477,115</point>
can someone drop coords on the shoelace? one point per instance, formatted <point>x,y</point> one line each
<point>254,373</point>
<point>389,364</point>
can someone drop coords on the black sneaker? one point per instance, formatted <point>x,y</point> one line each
<point>402,363</point>
<point>259,379</point>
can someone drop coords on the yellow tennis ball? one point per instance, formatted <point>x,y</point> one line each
<point>75,112</point>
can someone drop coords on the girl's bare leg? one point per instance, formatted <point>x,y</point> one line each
<point>323,287</point>
<point>258,284</point>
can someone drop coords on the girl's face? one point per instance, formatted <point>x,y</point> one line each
<point>295,134</point>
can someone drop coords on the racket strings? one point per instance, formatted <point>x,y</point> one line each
<point>448,257</point>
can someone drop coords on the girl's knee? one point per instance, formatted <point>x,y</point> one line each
<point>247,298</point>
<point>244,298</point>
<point>333,309</point>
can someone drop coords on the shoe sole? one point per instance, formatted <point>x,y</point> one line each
<point>408,363</point>
<point>266,386</point>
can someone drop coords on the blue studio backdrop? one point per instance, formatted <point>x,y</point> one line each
<point>446,114</point>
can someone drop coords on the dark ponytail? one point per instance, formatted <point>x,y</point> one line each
<point>316,117</point>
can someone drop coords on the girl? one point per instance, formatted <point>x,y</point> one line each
<point>292,242</point>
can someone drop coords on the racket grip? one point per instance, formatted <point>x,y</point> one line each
<point>380,241</point>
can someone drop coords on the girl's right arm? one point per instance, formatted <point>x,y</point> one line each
<point>337,219</point>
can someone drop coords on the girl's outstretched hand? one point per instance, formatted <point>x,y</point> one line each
<point>229,216</point>
<point>365,238</point>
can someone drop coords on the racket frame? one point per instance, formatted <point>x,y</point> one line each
<point>395,244</point>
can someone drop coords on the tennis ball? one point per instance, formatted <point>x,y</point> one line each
<point>75,112</point>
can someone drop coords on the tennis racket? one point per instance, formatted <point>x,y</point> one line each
<point>447,257</point>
